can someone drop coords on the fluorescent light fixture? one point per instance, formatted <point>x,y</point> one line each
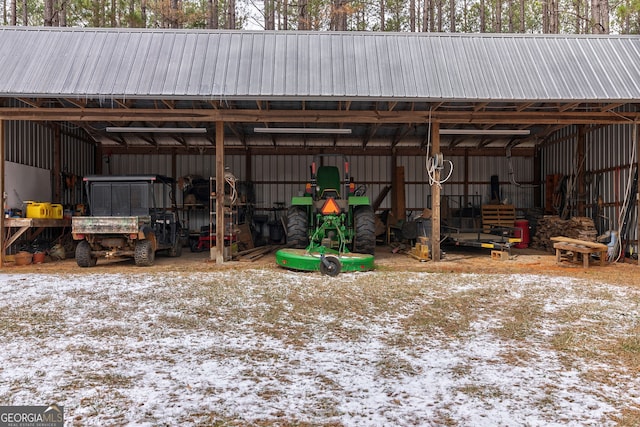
<point>485,131</point>
<point>155,130</point>
<point>303,130</point>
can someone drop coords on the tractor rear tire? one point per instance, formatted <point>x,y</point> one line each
<point>297,228</point>
<point>83,255</point>
<point>144,255</point>
<point>364,240</point>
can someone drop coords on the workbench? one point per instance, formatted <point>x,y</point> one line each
<point>582,247</point>
<point>35,226</point>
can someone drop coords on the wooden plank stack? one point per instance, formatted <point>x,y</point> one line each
<point>579,228</point>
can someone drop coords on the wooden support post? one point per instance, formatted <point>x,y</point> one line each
<point>582,190</point>
<point>57,164</point>
<point>537,179</point>
<point>2,231</point>
<point>219,247</point>
<point>637,134</point>
<point>97,162</point>
<point>435,196</point>
<point>399,207</point>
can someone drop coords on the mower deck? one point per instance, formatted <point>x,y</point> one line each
<point>305,260</point>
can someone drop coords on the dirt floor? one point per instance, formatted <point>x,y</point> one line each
<point>455,260</point>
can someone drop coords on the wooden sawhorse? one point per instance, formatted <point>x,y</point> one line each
<point>584,248</point>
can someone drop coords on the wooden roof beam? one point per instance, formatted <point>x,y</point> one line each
<point>613,106</point>
<point>567,107</point>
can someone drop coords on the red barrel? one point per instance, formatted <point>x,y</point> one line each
<point>522,231</point>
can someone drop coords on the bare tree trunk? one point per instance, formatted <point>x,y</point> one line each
<point>452,15</point>
<point>439,12</point>
<point>132,11</point>
<point>60,18</point>
<point>483,18</point>
<point>269,15</point>
<point>231,15</point>
<point>285,15</point>
<point>554,21</point>
<point>14,12</point>
<point>214,22</point>
<point>382,15</point>
<point>522,20</point>
<point>498,17</point>
<point>143,13</point>
<point>600,16</point>
<point>48,13</point>
<point>429,14</point>
<point>412,16</point>
<point>303,15</point>
<point>25,15</point>
<point>338,21</point>
<point>511,25</point>
<point>113,13</point>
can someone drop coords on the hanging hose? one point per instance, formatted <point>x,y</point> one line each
<point>230,179</point>
<point>436,162</point>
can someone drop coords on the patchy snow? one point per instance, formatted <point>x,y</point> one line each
<point>145,349</point>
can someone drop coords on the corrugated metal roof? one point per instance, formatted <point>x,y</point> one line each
<point>191,64</point>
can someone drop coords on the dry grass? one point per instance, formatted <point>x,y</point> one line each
<point>389,327</point>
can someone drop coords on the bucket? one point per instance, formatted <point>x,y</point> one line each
<point>23,258</point>
<point>522,231</point>
<point>38,257</point>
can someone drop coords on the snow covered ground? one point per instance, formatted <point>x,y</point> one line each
<point>273,347</point>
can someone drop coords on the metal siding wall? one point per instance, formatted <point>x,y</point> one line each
<point>77,158</point>
<point>608,153</point>
<point>480,169</point>
<point>278,178</point>
<point>32,144</point>
<point>127,164</point>
<point>29,143</point>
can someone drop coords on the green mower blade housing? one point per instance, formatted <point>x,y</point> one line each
<point>304,260</point>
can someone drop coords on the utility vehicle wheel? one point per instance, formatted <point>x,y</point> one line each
<point>144,254</point>
<point>364,240</point>
<point>297,227</point>
<point>83,255</point>
<point>330,265</point>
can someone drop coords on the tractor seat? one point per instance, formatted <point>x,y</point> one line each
<point>328,179</point>
<point>330,193</point>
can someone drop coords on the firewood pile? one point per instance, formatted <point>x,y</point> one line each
<point>580,228</point>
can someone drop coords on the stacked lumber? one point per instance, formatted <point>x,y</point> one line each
<point>579,228</point>
<point>252,254</point>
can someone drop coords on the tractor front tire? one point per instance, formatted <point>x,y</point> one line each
<point>144,255</point>
<point>297,228</point>
<point>83,255</point>
<point>364,240</point>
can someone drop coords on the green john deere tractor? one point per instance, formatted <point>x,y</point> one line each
<point>331,228</point>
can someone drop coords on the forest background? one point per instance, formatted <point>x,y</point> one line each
<point>465,16</point>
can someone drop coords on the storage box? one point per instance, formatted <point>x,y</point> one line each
<point>57,211</point>
<point>38,210</point>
